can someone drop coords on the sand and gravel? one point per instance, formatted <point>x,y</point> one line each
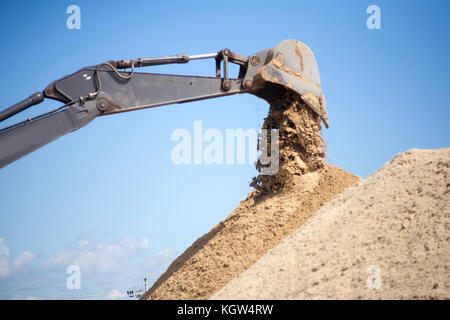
<point>253,228</point>
<point>388,237</point>
<point>314,231</point>
<point>279,204</point>
<point>301,147</point>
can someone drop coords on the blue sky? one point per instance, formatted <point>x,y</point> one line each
<point>109,197</point>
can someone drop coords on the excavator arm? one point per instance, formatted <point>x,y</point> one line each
<point>108,88</point>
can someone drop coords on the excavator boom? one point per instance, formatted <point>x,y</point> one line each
<point>103,89</point>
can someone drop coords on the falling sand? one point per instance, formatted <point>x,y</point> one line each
<point>301,147</point>
<point>279,205</point>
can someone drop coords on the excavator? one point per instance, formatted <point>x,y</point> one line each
<point>114,86</point>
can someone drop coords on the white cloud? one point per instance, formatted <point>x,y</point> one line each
<point>23,259</point>
<point>8,267</point>
<point>5,265</point>
<point>99,257</point>
<point>83,243</point>
<point>105,265</point>
<point>114,294</point>
<point>161,259</point>
<point>4,250</point>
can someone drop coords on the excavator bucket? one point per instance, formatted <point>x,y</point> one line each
<point>291,64</point>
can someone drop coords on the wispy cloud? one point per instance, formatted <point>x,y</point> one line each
<point>8,266</point>
<point>108,269</point>
<point>5,265</point>
<point>115,294</point>
<point>23,259</point>
<point>161,259</point>
<point>99,257</point>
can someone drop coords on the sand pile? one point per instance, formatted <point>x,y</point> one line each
<point>253,228</point>
<point>388,237</point>
<point>279,205</point>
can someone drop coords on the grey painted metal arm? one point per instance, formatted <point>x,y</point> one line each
<point>102,90</point>
<point>143,90</point>
<point>29,136</point>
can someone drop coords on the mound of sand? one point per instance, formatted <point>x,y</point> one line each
<point>388,237</point>
<point>279,205</point>
<point>254,227</point>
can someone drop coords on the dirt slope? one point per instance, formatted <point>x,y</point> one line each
<point>254,227</point>
<point>391,231</point>
<point>279,204</point>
